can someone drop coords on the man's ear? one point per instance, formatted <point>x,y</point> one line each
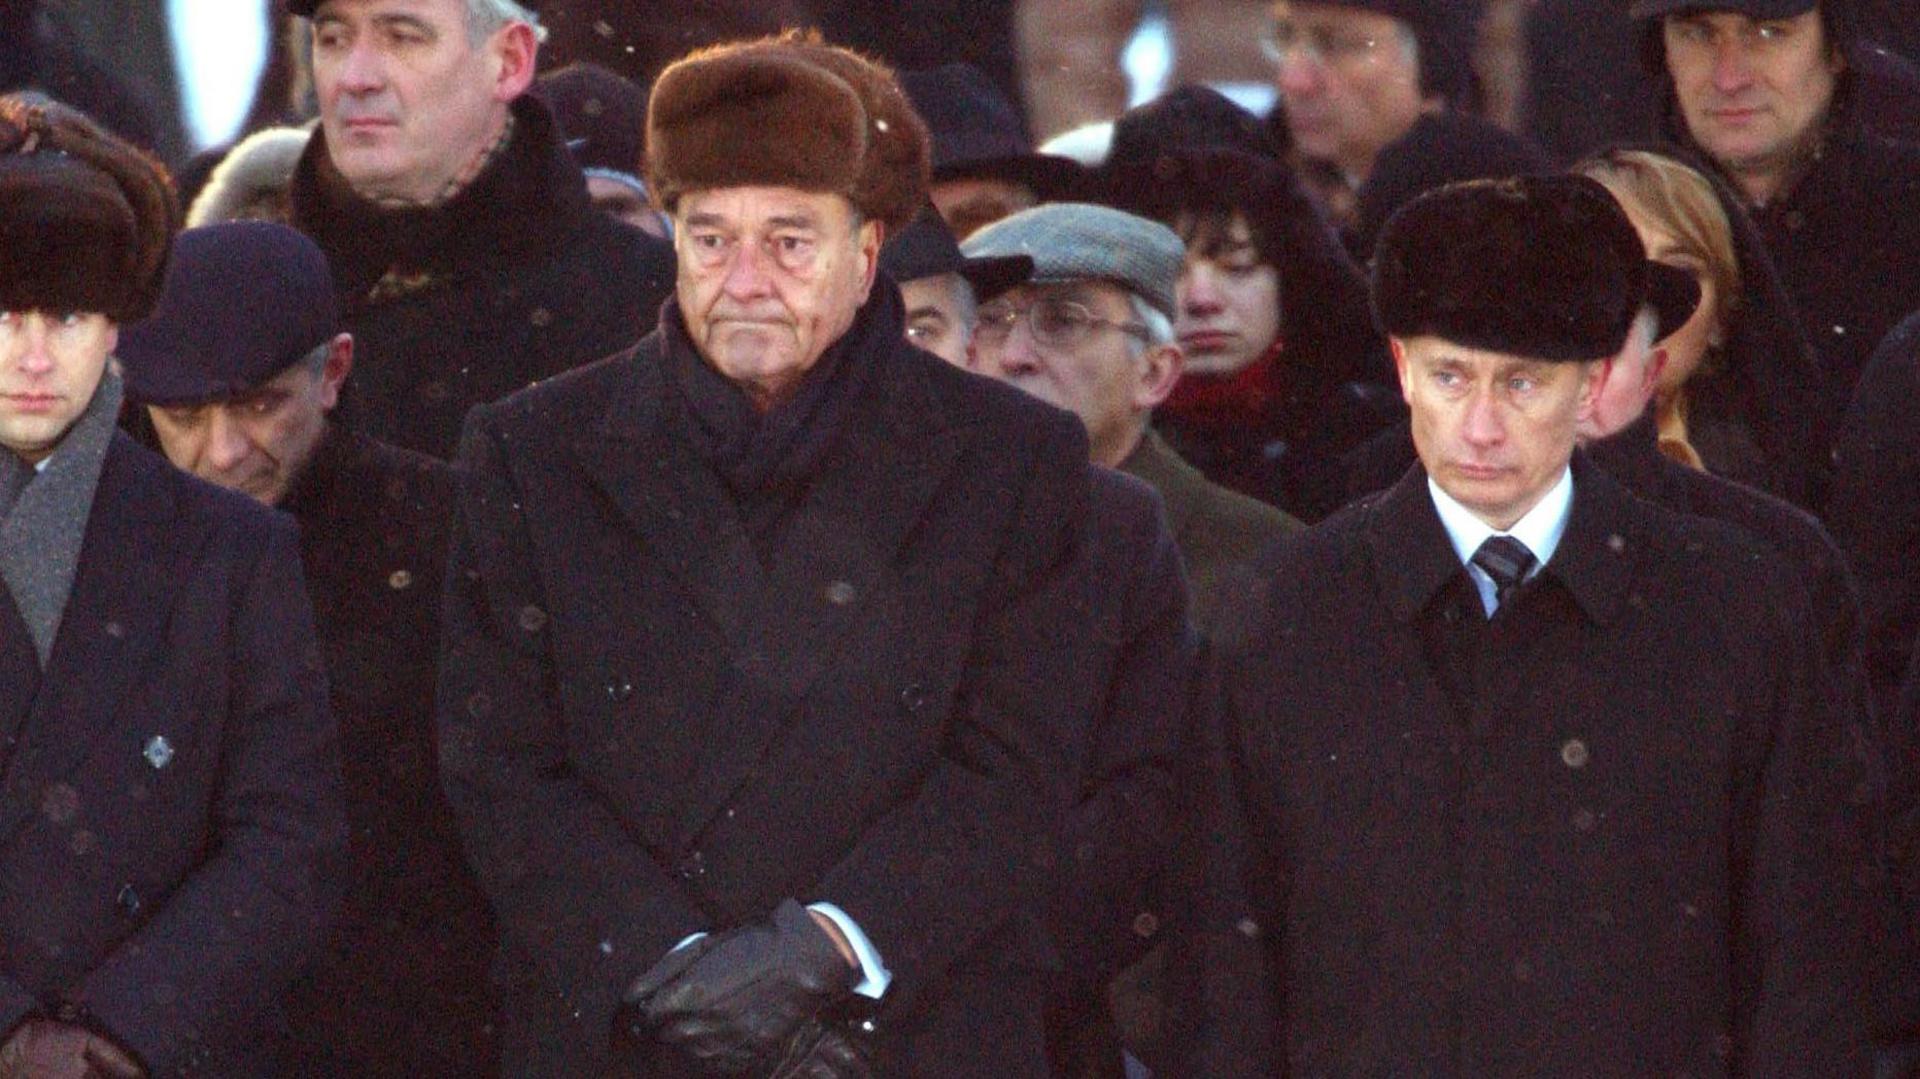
<point>873,236</point>
<point>1160,368</point>
<point>516,49</point>
<point>334,372</point>
<point>1593,381</point>
<point>1399,350</point>
<point>1657,358</point>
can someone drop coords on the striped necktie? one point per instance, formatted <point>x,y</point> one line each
<point>1507,561</point>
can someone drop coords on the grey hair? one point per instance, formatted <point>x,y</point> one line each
<point>484,17</point>
<point>1159,326</point>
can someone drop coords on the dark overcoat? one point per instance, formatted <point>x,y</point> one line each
<point>516,279</point>
<point>648,731</point>
<point>1135,647</point>
<point>170,822</point>
<point>401,986</point>
<point>1621,828</point>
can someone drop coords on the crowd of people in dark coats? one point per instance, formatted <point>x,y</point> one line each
<point>737,562</point>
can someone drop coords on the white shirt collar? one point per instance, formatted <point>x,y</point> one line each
<point>1540,529</point>
<point>41,465</point>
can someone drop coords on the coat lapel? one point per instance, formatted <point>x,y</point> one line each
<point>894,454</point>
<point>133,560</point>
<point>19,674</point>
<point>674,501</point>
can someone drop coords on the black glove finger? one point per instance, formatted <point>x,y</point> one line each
<point>667,968</point>
<point>836,1056</point>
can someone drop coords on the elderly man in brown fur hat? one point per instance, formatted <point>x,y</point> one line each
<point>751,705</point>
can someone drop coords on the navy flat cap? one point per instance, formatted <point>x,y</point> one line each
<point>243,301</point>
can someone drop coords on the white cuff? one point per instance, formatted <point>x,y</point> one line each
<point>875,975</point>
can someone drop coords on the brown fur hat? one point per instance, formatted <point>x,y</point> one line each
<point>789,111</point>
<point>86,220</point>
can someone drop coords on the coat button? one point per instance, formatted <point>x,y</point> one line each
<point>1145,926</point>
<point>159,751</point>
<point>1574,754</point>
<point>1796,220</point>
<point>913,698</point>
<point>841,593</point>
<point>128,900</point>
<point>693,866</point>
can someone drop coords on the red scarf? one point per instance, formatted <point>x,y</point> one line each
<point>1242,401</point>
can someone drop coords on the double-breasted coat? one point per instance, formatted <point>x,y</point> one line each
<point>170,819</point>
<point>652,728</point>
<point>1619,828</point>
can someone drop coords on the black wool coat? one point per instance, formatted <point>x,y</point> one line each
<point>1619,829</point>
<point>648,729</point>
<point>516,279</point>
<point>401,986</point>
<point>170,820</point>
<point>1135,648</point>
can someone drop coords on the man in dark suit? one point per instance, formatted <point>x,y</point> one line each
<point>752,708</point>
<point>169,785</point>
<point>237,372</point>
<point>1542,778</point>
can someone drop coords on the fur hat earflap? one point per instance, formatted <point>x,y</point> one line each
<point>86,220</point>
<point>787,111</point>
<point>1546,267</point>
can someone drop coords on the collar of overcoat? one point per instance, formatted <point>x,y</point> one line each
<point>136,554</point>
<point>902,438</point>
<point>1597,560</point>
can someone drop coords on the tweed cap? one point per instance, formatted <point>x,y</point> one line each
<point>243,301</point>
<point>1077,241</point>
<point>927,249</point>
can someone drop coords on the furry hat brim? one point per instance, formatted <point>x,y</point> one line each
<point>787,111</point>
<point>1545,267</point>
<point>86,220</point>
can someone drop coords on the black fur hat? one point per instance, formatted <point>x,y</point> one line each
<point>85,219</point>
<point>1546,267</point>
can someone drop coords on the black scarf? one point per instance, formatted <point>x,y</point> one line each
<point>768,460</point>
<point>525,204</point>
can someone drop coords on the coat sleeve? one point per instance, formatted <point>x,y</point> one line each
<point>236,932</point>
<point>1808,889</point>
<point>931,879</point>
<point>572,889</point>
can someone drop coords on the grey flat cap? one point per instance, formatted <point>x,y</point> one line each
<point>1077,241</point>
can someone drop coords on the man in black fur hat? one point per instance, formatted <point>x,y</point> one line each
<point>1583,802</point>
<point>172,789</point>
<point>467,256</point>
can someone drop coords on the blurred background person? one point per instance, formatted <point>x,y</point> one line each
<point>1285,368</point>
<point>1739,393</point>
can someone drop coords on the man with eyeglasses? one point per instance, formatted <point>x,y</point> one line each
<point>1091,332</point>
<point>1363,82</point>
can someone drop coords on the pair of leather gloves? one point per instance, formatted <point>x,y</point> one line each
<point>754,1001</point>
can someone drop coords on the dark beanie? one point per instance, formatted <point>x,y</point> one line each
<point>787,111</point>
<point>603,116</point>
<point>85,218</point>
<point>1546,267</point>
<point>1447,30</point>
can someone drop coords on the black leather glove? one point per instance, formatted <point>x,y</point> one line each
<point>736,1003</point>
<point>823,1050</point>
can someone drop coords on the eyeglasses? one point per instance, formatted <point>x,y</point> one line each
<point>1316,43</point>
<point>1054,323</point>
